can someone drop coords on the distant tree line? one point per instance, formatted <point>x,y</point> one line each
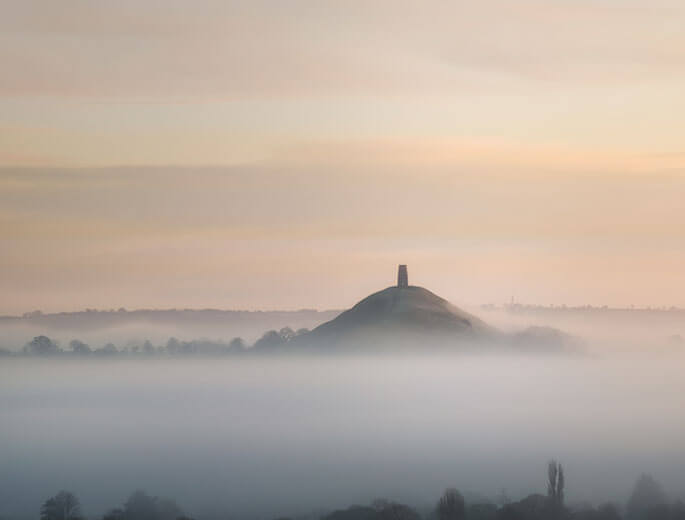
<point>45,346</point>
<point>647,502</point>
<point>528,307</point>
<point>139,506</point>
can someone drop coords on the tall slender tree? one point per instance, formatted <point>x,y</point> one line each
<point>555,487</point>
<point>63,506</point>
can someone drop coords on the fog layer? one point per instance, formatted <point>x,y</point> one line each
<point>269,437</point>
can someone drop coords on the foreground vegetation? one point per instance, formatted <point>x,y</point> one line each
<point>647,502</point>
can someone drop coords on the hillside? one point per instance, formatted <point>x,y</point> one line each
<point>397,317</point>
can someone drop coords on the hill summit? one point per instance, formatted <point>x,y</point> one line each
<point>398,315</point>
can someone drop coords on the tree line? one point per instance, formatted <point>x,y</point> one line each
<point>647,502</point>
<point>45,346</point>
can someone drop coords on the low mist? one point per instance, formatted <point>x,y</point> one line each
<point>264,437</point>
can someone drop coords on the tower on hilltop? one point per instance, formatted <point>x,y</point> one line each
<point>402,277</point>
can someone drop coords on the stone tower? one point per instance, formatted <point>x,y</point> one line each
<point>402,277</point>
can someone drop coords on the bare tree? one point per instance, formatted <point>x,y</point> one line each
<point>552,472</point>
<point>647,494</point>
<point>555,486</point>
<point>451,505</point>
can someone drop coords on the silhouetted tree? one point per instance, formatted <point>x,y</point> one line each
<point>555,487</point>
<point>237,345</point>
<point>646,495</point>
<point>173,346</point>
<point>269,339</point>
<point>148,348</point>
<point>555,481</point>
<point>41,346</point>
<point>63,506</point>
<point>141,506</point>
<point>286,333</point>
<point>451,505</point>
<point>79,347</point>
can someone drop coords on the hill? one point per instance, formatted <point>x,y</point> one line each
<point>398,318</point>
<point>412,318</point>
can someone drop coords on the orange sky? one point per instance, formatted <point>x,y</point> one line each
<point>285,155</point>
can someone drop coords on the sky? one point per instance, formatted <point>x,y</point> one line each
<point>282,155</point>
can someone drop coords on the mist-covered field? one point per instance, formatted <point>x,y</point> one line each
<point>267,437</point>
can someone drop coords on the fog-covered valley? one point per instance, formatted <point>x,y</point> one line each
<point>305,260</point>
<point>398,397</point>
<point>267,437</point>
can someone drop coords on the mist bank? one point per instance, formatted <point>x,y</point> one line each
<point>623,329</point>
<point>599,329</point>
<point>262,437</point>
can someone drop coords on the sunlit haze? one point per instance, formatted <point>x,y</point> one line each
<point>267,155</point>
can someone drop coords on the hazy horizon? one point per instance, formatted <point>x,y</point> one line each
<point>246,238</point>
<point>263,156</point>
